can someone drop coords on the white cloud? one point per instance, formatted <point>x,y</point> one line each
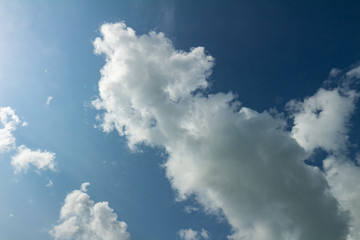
<point>328,130</point>
<point>48,100</point>
<point>25,157</point>
<point>322,120</point>
<point>239,163</point>
<point>82,219</point>
<point>344,178</point>
<point>354,72</point>
<point>190,209</point>
<point>50,183</point>
<point>334,72</point>
<point>9,121</point>
<point>189,234</point>
<point>84,186</point>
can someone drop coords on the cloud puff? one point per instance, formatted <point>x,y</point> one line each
<point>82,219</point>
<point>189,234</point>
<point>321,121</point>
<point>233,160</point>
<point>141,65</point>
<point>9,121</point>
<point>25,157</point>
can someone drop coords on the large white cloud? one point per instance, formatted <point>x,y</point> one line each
<point>9,121</point>
<point>234,161</point>
<point>25,157</point>
<point>82,219</point>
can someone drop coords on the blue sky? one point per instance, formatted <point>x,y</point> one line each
<point>190,120</point>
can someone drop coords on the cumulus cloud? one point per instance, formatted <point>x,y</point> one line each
<point>344,178</point>
<point>9,121</point>
<point>25,157</point>
<point>233,160</point>
<point>82,219</point>
<point>321,121</point>
<point>189,234</point>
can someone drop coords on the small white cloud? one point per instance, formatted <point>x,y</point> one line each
<point>82,219</point>
<point>48,100</point>
<point>190,209</point>
<point>11,215</point>
<point>24,124</point>
<point>25,157</point>
<point>84,186</point>
<point>50,183</point>
<point>9,121</point>
<point>189,234</point>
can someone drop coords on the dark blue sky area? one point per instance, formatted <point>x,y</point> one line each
<point>271,49</point>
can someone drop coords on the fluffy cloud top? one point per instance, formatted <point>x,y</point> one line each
<point>82,219</point>
<point>234,161</point>
<point>189,234</point>
<point>25,157</point>
<point>9,121</point>
<point>321,121</point>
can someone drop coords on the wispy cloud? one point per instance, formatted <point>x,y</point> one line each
<point>189,234</point>
<point>236,161</point>
<point>50,183</point>
<point>81,218</point>
<point>49,100</point>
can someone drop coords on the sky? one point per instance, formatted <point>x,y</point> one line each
<point>185,120</point>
